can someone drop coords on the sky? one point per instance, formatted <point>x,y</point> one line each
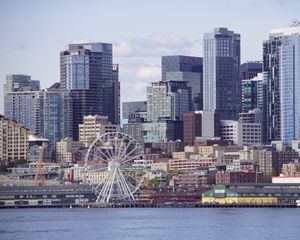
<point>32,33</point>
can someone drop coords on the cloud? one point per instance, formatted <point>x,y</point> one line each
<point>148,72</point>
<point>81,40</point>
<point>156,44</point>
<point>122,49</point>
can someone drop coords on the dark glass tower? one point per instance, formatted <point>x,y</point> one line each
<point>221,70</point>
<point>87,74</point>
<point>185,68</point>
<point>250,70</point>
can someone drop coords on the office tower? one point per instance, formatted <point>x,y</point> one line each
<point>185,68</point>
<point>167,100</point>
<point>129,109</point>
<point>253,93</point>
<point>203,124</point>
<point>250,69</point>
<point>281,58</point>
<point>19,83</point>
<point>21,101</point>
<point>54,115</point>
<point>87,75</point>
<point>221,82</point>
<point>116,84</point>
<point>24,108</point>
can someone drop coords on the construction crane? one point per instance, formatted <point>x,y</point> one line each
<point>39,178</point>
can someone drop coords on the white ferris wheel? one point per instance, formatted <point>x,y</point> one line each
<point>112,155</point>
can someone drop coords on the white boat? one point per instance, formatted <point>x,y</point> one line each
<point>298,203</point>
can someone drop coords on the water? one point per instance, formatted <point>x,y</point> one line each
<point>149,224</point>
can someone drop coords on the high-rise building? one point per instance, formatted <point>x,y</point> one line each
<point>281,58</point>
<point>250,69</point>
<point>87,73</point>
<point>116,84</point>
<point>203,124</point>
<point>221,70</point>
<point>22,101</point>
<point>168,100</point>
<point>54,115</point>
<point>253,91</point>
<point>24,108</point>
<point>185,68</point>
<point>19,83</point>
<point>130,108</point>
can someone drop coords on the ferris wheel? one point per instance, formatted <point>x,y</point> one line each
<point>113,156</point>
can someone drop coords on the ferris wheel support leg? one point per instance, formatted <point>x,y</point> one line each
<point>124,189</point>
<point>126,185</point>
<point>111,185</point>
<point>103,191</point>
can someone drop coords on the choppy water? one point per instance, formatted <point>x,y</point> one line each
<point>149,224</point>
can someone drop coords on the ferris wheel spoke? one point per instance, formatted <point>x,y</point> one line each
<point>109,156</point>
<point>121,145</point>
<point>104,156</point>
<point>131,159</point>
<point>126,148</point>
<point>128,154</point>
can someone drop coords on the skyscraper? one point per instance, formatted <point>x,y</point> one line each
<point>116,84</point>
<point>168,100</point>
<point>281,66</point>
<point>185,68</point>
<point>221,81</point>
<point>22,101</point>
<point>53,115</point>
<point>87,74</point>
<point>250,69</point>
<point>252,93</point>
<point>19,83</point>
<point>130,108</point>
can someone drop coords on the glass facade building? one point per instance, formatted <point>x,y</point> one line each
<point>185,68</point>
<point>221,70</point>
<point>252,93</point>
<point>168,100</point>
<point>24,108</point>
<point>19,83</point>
<point>53,115</point>
<point>130,108</point>
<point>282,73</point>
<point>88,75</point>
